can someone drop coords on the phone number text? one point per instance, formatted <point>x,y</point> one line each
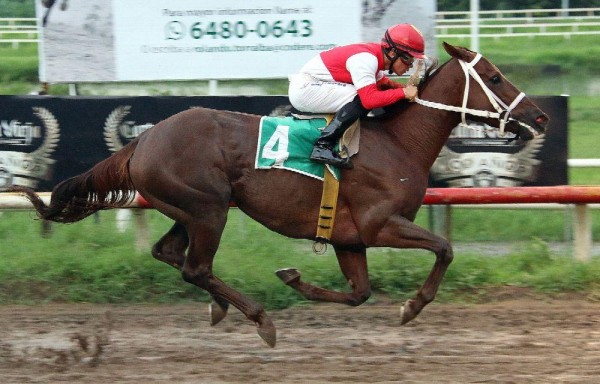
<point>177,30</point>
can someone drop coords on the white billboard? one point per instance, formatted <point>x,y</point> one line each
<point>145,40</point>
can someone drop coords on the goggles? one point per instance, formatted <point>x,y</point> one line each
<point>407,59</point>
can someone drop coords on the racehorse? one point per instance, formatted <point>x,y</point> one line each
<point>193,164</point>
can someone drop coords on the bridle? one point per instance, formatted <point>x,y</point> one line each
<point>502,110</point>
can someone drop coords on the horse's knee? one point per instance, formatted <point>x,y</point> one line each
<point>199,277</point>
<point>444,252</point>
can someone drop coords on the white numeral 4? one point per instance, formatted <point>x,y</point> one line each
<point>279,140</point>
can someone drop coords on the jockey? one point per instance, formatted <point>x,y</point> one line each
<point>349,81</point>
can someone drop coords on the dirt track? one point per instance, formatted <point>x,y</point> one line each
<point>522,340</point>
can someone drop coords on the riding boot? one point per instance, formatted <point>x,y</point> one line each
<point>323,151</point>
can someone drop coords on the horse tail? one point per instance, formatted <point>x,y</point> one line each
<point>106,185</point>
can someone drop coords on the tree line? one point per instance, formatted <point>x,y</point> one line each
<point>491,5</point>
<point>26,8</point>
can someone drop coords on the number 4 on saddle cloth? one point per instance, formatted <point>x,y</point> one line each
<point>287,142</point>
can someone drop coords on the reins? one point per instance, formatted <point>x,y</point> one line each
<point>502,110</point>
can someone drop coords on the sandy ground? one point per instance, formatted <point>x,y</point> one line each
<point>514,339</point>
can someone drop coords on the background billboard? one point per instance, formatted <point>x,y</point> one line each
<point>146,40</point>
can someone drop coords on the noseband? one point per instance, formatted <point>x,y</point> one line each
<point>502,110</point>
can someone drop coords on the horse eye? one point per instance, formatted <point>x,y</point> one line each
<point>495,79</point>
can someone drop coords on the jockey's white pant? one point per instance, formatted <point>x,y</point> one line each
<point>309,94</point>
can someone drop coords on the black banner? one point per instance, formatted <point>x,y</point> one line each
<point>476,156</point>
<point>44,139</point>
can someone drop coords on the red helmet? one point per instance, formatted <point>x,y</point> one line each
<point>405,37</point>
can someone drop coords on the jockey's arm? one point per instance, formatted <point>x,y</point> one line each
<point>366,76</point>
<point>386,83</point>
<point>371,97</point>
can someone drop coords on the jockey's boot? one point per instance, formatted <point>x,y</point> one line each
<point>323,151</point>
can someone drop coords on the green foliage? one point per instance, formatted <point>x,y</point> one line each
<point>486,5</point>
<point>18,65</point>
<point>26,8</point>
<point>90,261</point>
<point>17,8</point>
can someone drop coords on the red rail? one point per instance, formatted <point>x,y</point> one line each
<point>563,194</point>
<point>579,195</point>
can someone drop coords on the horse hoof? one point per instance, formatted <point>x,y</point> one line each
<point>216,313</point>
<point>288,275</point>
<point>406,314</point>
<point>268,333</point>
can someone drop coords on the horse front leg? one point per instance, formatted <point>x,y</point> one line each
<point>353,264</point>
<point>170,249</point>
<point>400,232</point>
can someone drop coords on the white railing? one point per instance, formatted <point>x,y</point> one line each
<point>519,23</point>
<point>532,28</point>
<point>523,14</point>
<point>18,30</point>
<point>583,163</point>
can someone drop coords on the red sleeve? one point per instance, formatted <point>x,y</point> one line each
<point>386,83</point>
<point>371,97</point>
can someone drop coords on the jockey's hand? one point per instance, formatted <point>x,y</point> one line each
<point>410,92</point>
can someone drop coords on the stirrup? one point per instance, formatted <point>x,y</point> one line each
<point>328,156</point>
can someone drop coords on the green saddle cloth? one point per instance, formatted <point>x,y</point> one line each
<point>287,142</point>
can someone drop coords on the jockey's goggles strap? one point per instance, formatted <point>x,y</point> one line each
<point>392,61</point>
<point>386,51</point>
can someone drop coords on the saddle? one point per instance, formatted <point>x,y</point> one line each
<point>286,143</point>
<point>349,142</point>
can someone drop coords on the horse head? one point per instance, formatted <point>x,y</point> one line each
<point>490,98</point>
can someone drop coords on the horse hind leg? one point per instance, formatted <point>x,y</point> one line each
<point>170,249</point>
<point>353,264</point>
<point>197,270</point>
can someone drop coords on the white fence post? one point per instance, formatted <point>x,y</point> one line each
<point>582,242</point>
<point>142,230</point>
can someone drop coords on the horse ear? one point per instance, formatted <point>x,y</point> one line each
<point>458,52</point>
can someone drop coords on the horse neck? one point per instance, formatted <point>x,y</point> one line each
<point>423,131</point>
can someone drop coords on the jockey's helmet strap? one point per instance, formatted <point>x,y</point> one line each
<point>386,52</point>
<point>392,47</point>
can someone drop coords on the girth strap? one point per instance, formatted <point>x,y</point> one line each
<point>331,187</point>
<point>328,207</point>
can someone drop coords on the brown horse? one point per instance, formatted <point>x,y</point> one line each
<point>191,165</point>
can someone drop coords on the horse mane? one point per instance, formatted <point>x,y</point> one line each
<point>431,70</point>
<point>390,111</point>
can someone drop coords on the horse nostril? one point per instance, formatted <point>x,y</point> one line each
<point>541,119</point>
